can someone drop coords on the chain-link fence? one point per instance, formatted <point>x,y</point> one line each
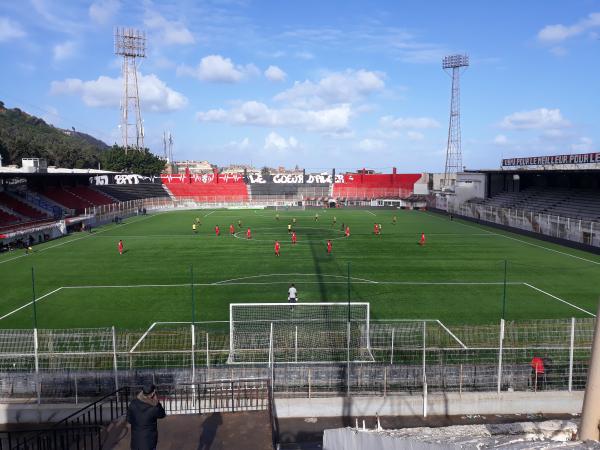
<point>404,357</point>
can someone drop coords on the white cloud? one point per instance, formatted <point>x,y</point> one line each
<point>10,30</point>
<point>304,55</point>
<point>274,141</point>
<point>168,32</point>
<point>334,119</point>
<point>102,11</point>
<point>552,34</point>
<point>105,91</point>
<point>335,88</point>
<point>409,123</point>
<point>239,145</point>
<point>415,136</point>
<point>274,73</point>
<point>500,140</point>
<point>584,144</point>
<point>370,145</point>
<point>534,120</point>
<point>64,50</point>
<point>217,69</point>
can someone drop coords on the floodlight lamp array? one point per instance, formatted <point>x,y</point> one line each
<point>130,42</point>
<point>452,61</point>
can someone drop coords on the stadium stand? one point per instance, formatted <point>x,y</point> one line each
<point>7,219</point>
<point>66,198</point>
<point>368,186</point>
<point>21,207</point>
<point>126,192</point>
<point>288,191</point>
<point>574,203</point>
<point>92,196</point>
<point>231,190</point>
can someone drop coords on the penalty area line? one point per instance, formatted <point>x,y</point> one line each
<point>559,299</point>
<point>30,303</point>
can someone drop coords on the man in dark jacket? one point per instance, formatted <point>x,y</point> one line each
<point>142,414</point>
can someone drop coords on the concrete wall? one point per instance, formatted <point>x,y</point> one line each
<point>469,186</point>
<point>348,439</point>
<point>449,404</point>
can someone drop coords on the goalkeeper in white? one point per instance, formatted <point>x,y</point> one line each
<point>292,295</point>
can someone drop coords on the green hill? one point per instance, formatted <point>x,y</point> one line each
<point>26,136</point>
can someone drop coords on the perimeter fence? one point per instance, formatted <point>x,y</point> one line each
<point>572,229</point>
<point>405,357</point>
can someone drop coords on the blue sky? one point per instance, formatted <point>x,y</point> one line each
<point>319,84</point>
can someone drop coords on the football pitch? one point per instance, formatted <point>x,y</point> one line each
<point>458,277</point>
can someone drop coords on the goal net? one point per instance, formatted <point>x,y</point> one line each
<point>299,332</point>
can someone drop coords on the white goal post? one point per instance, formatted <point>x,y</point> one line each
<point>299,332</point>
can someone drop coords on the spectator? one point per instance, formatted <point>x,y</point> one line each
<point>537,372</point>
<point>143,413</point>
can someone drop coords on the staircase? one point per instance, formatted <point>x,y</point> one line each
<point>224,414</point>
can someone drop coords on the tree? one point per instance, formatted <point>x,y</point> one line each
<point>141,162</point>
<point>265,173</point>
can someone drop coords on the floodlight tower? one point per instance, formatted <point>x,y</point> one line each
<point>131,45</point>
<point>454,64</point>
<point>168,146</point>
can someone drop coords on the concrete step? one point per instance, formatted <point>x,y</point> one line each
<point>250,430</point>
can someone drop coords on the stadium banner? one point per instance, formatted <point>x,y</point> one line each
<point>252,178</point>
<point>125,178</point>
<point>580,158</point>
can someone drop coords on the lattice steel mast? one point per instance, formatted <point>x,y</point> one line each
<point>131,45</point>
<point>454,63</point>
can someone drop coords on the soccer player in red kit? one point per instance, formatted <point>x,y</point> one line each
<point>248,234</point>
<point>376,229</point>
<point>329,247</point>
<point>347,231</point>
<point>217,231</point>
<point>422,241</point>
<point>231,229</point>
<point>277,246</point>
<point>294,238</point>
<point>120,246</point>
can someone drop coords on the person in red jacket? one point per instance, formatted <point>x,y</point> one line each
<point>248,234</point>
<point>538,372</point>
<point>231,229</point>
<point>294,238</point>
<point>329,246</point>
<point>120,247</point>
<point>217,230</point>
<point>347,231</point>
<point>277,247</point>
<point>376,229</point>
<point>422,241</point>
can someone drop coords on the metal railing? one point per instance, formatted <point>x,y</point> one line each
<point>572,229</point>
<point>84,429</point>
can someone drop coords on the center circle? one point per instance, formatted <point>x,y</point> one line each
<point>305,235</point>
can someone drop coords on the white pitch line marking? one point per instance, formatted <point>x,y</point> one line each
<point>371,212</point>
<point>522,241</point>
<point>559,299</point>
<point>30,303</point>
<point>452,334</point>
<point>143,337</point>
<point>88,235</point>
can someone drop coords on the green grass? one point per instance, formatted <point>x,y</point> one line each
<point>161,248</point>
